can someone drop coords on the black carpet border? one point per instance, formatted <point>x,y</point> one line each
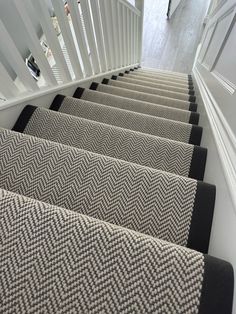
<point>57,102</point>
<point>195,135</point>
<point>200,229</point>
<point>193,106</point>
<point>192,98</point>
<point>198,163</point>
<point>24,118</point>
<point>194,118</point>
<point>105,81</point>
<point>78,92</point>
<point>217,287</point>
<point>94,86</point>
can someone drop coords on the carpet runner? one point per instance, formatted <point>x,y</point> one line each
<point>103,206</point>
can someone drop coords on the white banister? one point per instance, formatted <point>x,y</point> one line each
<point>14,58</point>
<point>34,44</point>
<point>139,4</point>
<point>125,39</point>
<point>115,29</point>
<point>90,34</point>
<point>128,17</point>
<point>52,39</point>
<point>107,35</point>
<point>67,36</point>
<point>80,37</point>
<point>99,35</point>
<point>120,33</point>
<point>96,38</point>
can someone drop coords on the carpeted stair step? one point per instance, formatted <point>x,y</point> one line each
<point>160,80</point>
<point>171,81</point>
<point>32,116</point>
<point>151,151</point>
<point>137,106</point>
<point>163,72</point>
<point>126,78</point>
<point>159,100</point>
<point>56,261</point>
<point>183,79</point>
<point>161,204</point>
<point>149,90</point>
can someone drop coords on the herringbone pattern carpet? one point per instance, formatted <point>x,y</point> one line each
<point>101,186</point>
<point>136,105</point>
<point>56,261</point>
<point>155,152</point>
<point>149,90</point>
<point>165,101</point>
<point>132,120</point>
<point>136,197</point>
<point>126,78</point>
<point>165,128</point>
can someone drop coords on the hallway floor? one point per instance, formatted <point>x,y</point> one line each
<point>172,44</point>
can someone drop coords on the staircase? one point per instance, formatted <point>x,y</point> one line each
<point>103,204</point>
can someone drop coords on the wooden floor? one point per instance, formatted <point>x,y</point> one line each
<point>172,44</point>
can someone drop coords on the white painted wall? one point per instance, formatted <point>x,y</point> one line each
<point>215,72</point>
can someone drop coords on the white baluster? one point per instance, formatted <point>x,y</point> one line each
<point>139,4</point>
<point>8,88</point>
<point>52,39</point>
<point>115,30</point>
<point>125,39</point>
<point>33,42</point>
<point>107,34</point>
<point>128,35</point>
<point>132,36</point>
<point>98,31</point>
<point>90,34</point>
<point>80,36</point>
<point>111,39</point>
<point>120,33</point>
<point>14,58</point>
<point>67,36</point>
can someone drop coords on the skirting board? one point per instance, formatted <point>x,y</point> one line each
<point>224,137</point>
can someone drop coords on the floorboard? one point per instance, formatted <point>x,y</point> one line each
<point>172,44</point>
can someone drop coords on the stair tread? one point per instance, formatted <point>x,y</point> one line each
<point>41,227</point>
<point>137,106</point>
<point>172,79</point>
<point>165,75</point>
<point>126,78</point>
<point>155,152</point>
<point>161,80</point>
<point>165,101</point>
<point>113,190</point>
<point>151,90</point>
<point>174,130</point>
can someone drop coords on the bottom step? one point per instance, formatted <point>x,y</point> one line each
<point>56,261</point>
